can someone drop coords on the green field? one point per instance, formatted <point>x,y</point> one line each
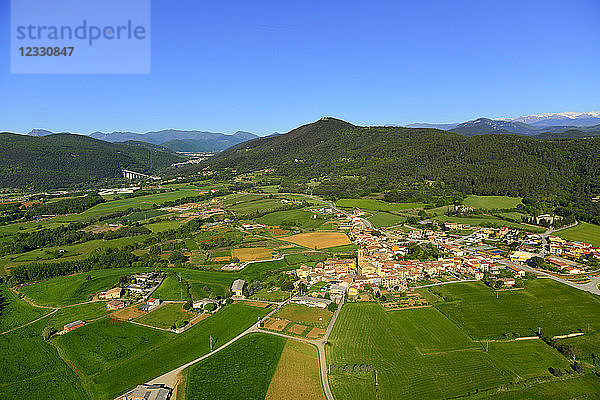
<point>65,290</point>
<point>241,371</point>
<point>15,312</point>
<point>163,225</point>
<point>311,316</point>
<point>300,218</point>
<point>32,369</point>
<point>491,202</point>
<point>585,346</point>
<point>556,308</point>
<point>256,205</point>
<point>113,357</point>
<point>366,334</point>
<point>85,312</point>
<point>378,205</point>
<point>381,219</point>
<point>480,220</point>
<point>265,294</point>
<point>170,289</point>
<point>166,315</point>
<point>583,232</point>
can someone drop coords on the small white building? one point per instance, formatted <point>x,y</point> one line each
<point>311,301</point>
<point>237,288</point>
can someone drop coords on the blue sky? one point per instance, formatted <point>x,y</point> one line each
<point>266,66</point>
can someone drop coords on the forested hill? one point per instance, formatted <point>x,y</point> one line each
<point>385,156</point>
<point>62,160</point>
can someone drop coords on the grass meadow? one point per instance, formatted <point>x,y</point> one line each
<point>377,205</point>
<point>15,312</point>
<point>491,202</point>
<point>582,232</point>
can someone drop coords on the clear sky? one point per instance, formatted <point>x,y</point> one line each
<point>265,66</point>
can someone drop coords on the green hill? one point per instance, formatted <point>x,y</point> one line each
<point>62,160</point>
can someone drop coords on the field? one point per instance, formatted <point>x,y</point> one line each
<point>265,294</point>
<point>366,334</point>
<point>297,376</point>
<point>585,346</point>
<point>381,219</point>
<point>166,315</point>
<point>170,289</point>
<point>556,308</point>
<point>378,205</point>
<point>491,202</point>
<point>256,205</point>
<point>85,312</point>
<point>113,356</point>
<point>241,371</point>
<point>31,368</point>
<point>15,312</point>
<point>252,253</point>
<point>311,316</point>
<point>319,240</point>
<point>479,220</point>
<point>583,232</point>
<point>74,289</point>
<point>299,218</point>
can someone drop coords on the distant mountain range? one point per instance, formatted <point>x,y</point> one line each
<point>172,139</point>
<point>544,126</point>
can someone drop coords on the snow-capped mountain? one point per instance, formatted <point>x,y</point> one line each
<point>562,118</point>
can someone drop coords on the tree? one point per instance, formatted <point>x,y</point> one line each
<point>210,307</point>
<point>179,324</point>
<point>48,332</point>
<point>288,286</point>
<point>332,306</point>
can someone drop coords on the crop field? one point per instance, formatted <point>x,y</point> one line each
<point>299,218</point>
<point>241,371</point>
<point>142,202</point>
<point>366,334</point>
<point>491,202</point>
<point>585,346</point>
<point>257,205</point>
<point>430,331</point>
<point>15,312</point>
<point>381,219</point>
<point>579,387</point>
<point>377,205</point>
<point>85,312</point>
<point>312,316</point>
<point>170,289</point>
<point>163,225</point>
<point>556,308</point>
<point>583,232</point>
<point>252,253</point>
<point>319,240</point>
<point>236,198</point>
<point>166,315</point>
<point>112,357</point>
<point>479,220</point>
<point>65,290</point>
<point>297,375</point>
<point>31,368</point>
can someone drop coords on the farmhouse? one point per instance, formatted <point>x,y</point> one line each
<point>74,325</point>
<point>114,293</point>
<point>199,304</point>
<point>237,287</point>
<point>148,392</point>
<point>150,305</point>
<point>115,304</point>
<point>311,301</point>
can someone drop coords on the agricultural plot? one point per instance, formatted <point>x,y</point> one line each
<point>297,218</point>
<point>586,347</point>
<point>252,253</point>
<point>556,308</point>
<point>582,232</point>
<point>489,220</point>
<point>170,289</point>
<point>319,240</point>
<point>166,316</point>
<point>310,316</point>
<point>381,219</point>
<point>241,371</point>
<point>377,205</point>
<point>366,335</point>
<point>162,226</point>
<point>257,205</point>
<point>491,202</point>
<point>32,368</point>
<point>113,357</point>
<point>86,312</point>
<point>65,290</point>
<point>297,375</point>
<point>579,387</point>
<point>15,312</point>
<point>270,295</point>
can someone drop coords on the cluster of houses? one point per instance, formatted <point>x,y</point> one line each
<point>561,247</point>
<point>144,284</point>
